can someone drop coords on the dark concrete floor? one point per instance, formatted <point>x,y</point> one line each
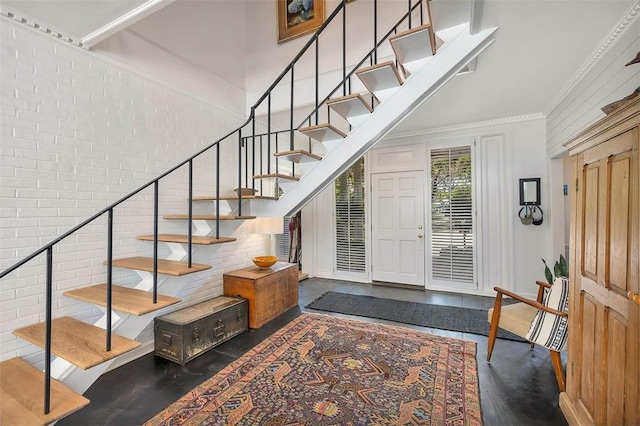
<point>517,388</point>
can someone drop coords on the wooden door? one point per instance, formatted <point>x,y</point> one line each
<point>603,360</point>
<point>397,218</point>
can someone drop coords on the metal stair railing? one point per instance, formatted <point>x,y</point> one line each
<point>241,143</point>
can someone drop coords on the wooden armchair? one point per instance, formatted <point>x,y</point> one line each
<point>542,321</point>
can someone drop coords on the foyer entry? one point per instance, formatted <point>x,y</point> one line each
<point>397,218</point>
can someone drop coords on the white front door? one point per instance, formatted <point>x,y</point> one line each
<point>397,234</point>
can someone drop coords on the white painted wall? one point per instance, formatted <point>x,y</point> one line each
<point>79,132</point>
<point>509,253</point>
<point>603,79</point>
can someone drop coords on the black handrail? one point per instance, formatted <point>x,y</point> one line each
<point>346,85</point>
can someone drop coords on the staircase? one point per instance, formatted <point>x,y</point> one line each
<point>391,89</point>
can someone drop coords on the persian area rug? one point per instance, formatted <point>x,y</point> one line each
<point>452,318</point>
<point>323,370</point>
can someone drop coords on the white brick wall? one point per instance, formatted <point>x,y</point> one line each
<point>78,133</point>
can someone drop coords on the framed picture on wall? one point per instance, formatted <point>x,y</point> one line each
<point>298,17</point>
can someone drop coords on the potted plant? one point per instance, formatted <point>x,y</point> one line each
<point>560,269</point>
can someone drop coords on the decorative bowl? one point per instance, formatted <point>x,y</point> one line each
<point>246,191</point>
<point>264,262</point>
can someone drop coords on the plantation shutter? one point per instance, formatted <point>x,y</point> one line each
<point>284,240</point>
<point>350,220</point>
<point>452,233</point>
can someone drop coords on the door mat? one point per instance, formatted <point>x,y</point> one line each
<point>452,318</point>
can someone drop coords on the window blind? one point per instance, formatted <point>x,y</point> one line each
<point>350,219</point>
<point>452,233</point>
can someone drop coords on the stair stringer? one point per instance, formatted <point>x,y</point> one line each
<point>131,326</point>
<point>450,59</point>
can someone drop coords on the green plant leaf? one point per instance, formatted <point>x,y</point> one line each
<point>564,268</point>
<point>547,272</point>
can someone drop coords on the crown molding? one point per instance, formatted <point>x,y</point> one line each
<point>124,21</point>
<point>609,40</point>
<point>465,126</point>
<point>34,24</point>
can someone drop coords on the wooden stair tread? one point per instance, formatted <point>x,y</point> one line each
<point>322,132</point>
<point>350,105</point>
<point>233,197</point>
<point>414,44</point>
<point>277,176</point>
<point>165,266</point>
<point>380,76</point>
<point>206,217</point>
<point>81,344</point>
<point>298,156</point>
<point>21,396</point>
<point>124,299</point>
<point>195,239</point>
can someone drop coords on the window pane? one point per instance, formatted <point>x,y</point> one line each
<point>350,223</point>
<point>451,215</point>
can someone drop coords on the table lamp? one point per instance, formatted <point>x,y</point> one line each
<point>270,226</point>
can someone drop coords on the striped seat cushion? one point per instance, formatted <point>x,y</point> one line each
<point>547,329</point>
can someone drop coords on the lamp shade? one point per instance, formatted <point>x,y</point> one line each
<point>268,225</point>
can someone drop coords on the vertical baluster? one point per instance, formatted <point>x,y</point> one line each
<point>239,176</point>
<point>217,189</point>
<point>156,189</point>
<point>190,241</point>
<point>276,192</point>
<point>47,334</point>
<point>268,137</point>
<point>291,112</point>
<point>344,47</point>
<point>422,12</point>
<point>261,154</point>
<point>293,168</point>
<point>253,149</point>
<point>409,1</point>
<point>109,277</point>
<point>375,31</point>
<point>268,158</point>
<point>317,77</point>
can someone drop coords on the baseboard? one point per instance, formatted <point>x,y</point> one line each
<point>126,358</point>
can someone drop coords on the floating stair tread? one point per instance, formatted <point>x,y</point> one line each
<point>233,198</point>
<point>166,267</point>
<point>298,156</point>
<point>350,106</point>
<point>322,132</point>
<point>81,344</point>
<point>414,44</point>
<point>206,217</point>
<point>123,299</point>
<point>381,76</point>
<point>204,240</point>
<point>277,176</point>
<point>21,396</point>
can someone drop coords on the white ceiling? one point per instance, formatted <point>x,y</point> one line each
<point>540,45</point>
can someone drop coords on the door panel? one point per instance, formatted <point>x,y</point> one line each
<point>397,219</point>
<point>602,385</point>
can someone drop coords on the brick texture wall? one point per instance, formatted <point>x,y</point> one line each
<point>78,133</point>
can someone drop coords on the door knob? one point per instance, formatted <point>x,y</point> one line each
<point>419,235</point>
<point>634,297</point>
<point>419,226</point>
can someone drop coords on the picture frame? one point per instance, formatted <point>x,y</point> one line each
<point>298,17</point>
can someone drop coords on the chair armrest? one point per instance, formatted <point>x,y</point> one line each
<point>541,286</point>
<point>529,302</point>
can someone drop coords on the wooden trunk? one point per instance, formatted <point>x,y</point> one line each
<point>270,292</point>
<point>603,361</point>
<point>182,335</point>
